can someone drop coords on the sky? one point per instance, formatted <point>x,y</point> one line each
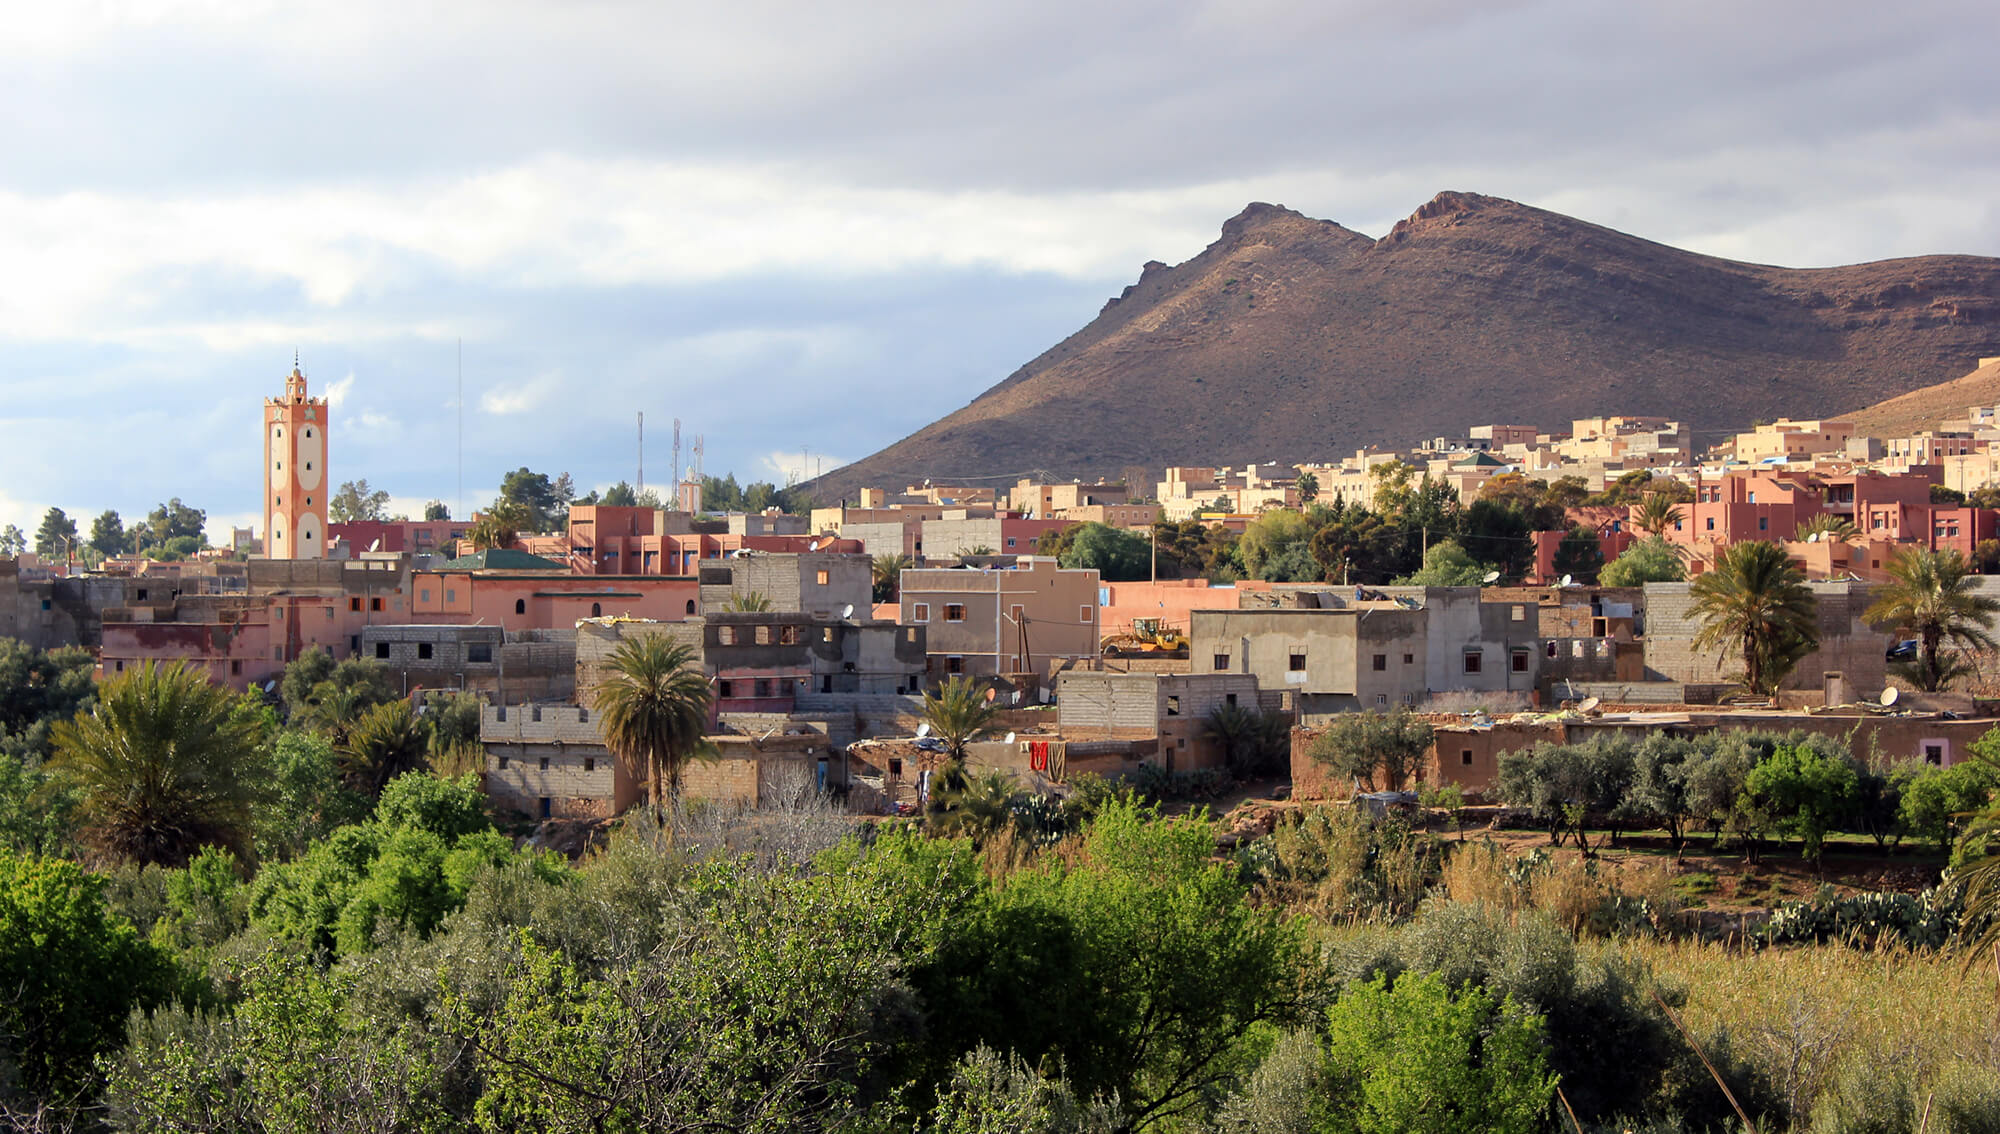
<point>807,230</point>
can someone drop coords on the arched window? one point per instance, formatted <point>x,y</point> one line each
<point>520,606</point>
<point>596,609</point>
<point>690,606</point>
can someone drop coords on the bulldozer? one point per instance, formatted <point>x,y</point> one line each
<point>1148,636</point>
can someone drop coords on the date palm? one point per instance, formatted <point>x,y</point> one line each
<point>1831,527</point>
<point>959,713</point>
<point>1657,513</point>
<point>653,704</point>
<point>385,741</point>
<point>165,765</point>
<point>1929,594</point>
<point>887,571</point>
<point>1755,601</point>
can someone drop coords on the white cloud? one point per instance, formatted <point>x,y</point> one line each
<point>519,397</point>
<point>797,465</point>
<point>336,392</point>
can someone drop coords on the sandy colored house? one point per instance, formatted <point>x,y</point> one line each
<point>1027,619</point>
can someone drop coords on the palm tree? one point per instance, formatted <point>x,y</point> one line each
<point>1755,600</point>
<point>1929,594</point>
<point>164,764</point>
<point>888,573</point>
<point>974,807</point>
<point>1831,527</point>
<point>1308,488</point>
<point>498,526</point>
<point>749,602</point>
<point>959,713</point>
<point>1657,513</point>
<point>384,742</point>
<point>654,703</point>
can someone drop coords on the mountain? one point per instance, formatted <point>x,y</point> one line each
<point>1931,406</point>
<point>1291,338</point>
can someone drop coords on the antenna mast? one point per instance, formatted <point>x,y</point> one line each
<point>461,430</point>
<point>642,453</point>
<point>675,487</point>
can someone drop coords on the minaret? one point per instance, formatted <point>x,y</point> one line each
<point>295,472</point>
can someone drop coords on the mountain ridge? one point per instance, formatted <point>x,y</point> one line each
<point>1293,338</point>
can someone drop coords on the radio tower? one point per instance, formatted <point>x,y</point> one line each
<point>675,487</point>
<point>642,452</point>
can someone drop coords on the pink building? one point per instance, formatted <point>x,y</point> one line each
<point>525,600</point>
<point>418,537</point>
<point>605,540</point>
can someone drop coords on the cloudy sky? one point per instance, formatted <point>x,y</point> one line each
<point>811,227</point>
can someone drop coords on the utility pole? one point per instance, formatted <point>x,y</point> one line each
<point>642,453</point>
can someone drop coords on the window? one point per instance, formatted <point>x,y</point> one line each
<point>1520,613</point>
<point>479,653</point>
<point>423,594</point>
<point>1221,663</point>
<point>545,802</point>
<point>1381,662</point>
<point>424,651</point>
<point>590,763</point>
<point>725,636</point>
<point>142,594</point>
<point>121,666</point>
<point>1711,523</point>
<point>354,604</point>
<point>1552,648</point>
<point>725,688</point>
<point>381,649</point>
<point>1018,613</point>
<point>520,606</point>
<point>895,765</point>
<point>503,763</point>
<point>375,604</point>
<point>763,635</point>
<point>954,612</point>
<point>1173,706</point>
<point>690,607</point>
<point>820,577</point>
<point>235,668</point>
<point>1086,614</point>
<point>762,687</point>
<point>921,612</point>
<point>596,609</point>
<point>545,764</point>
<point>1010,541</point>
<point>1229,699</point>
<point>1465,756</point>
<point>789,636</point>
<point>1409,659</point>
<point>451,594</point>
<point>1381,698</point>
<point>1934,754</point>
<point>1472,661</point>
<point>1518,660</point>
<point>954,665</point>
<point>1295,662</point>
<point>1763,523</point>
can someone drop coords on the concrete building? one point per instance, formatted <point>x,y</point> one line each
<point>1848,666</point>
<point>550,762</point>
<point>508,666</point>
<point>1048,500</point>
<point>295,477</point>
<point>527,599</point>
<point>823,584</point>
<point>1166,710</point>
<point>1397,646</point>
<point>1021,620</point>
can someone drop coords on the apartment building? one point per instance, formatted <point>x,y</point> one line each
<point>1022,619</point>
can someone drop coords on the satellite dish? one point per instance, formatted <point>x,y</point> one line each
<point>1589,703</point>
<point>1010,738</point>
<point>847,611</point>
<point>991,693</point>
<point>1490,577</point>
<point>1889,696</point>
<point>1566,581</point>
<point>923,730</point>
<point>376,545</point>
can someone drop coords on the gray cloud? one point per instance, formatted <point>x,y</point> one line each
<point>796,224</point>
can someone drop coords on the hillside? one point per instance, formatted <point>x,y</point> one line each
<point>1291,338</point>
<point>1931,406</point>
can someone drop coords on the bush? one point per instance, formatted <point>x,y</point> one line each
<point>70,970</point>
<point>1339,862</point>
<point>1416,1057</point>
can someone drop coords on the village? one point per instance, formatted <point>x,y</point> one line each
<point>820,632</point>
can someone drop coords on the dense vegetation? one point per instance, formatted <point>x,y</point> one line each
<point>355,942</point>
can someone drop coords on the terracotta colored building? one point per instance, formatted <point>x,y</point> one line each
<point>295,478</point>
